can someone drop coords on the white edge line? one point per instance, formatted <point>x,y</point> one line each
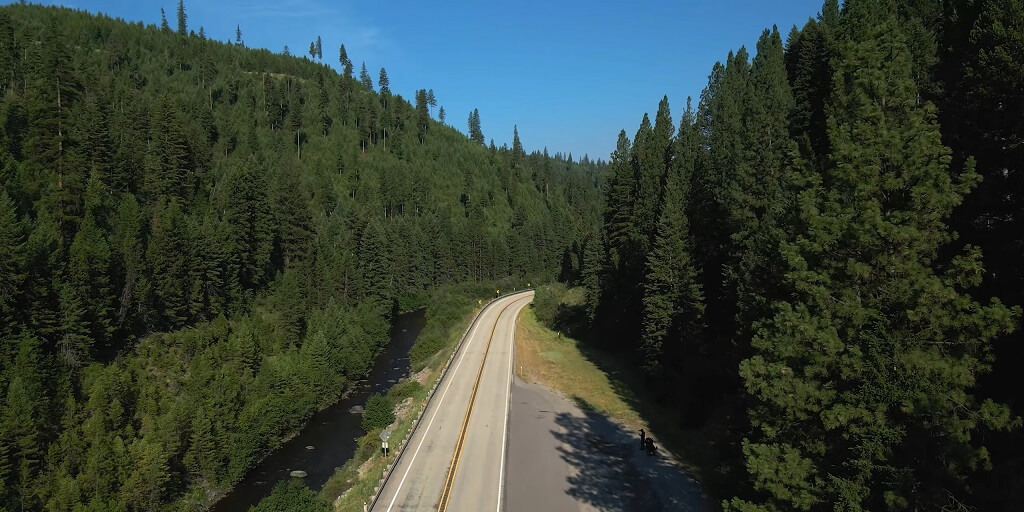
<point>436,409</point>
<point>508,404</point>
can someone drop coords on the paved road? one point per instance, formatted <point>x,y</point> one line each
<point>422,471</point>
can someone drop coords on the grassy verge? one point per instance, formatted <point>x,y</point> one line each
<point>448,316</point>
<point>556,361</point>
<point>602,382</point>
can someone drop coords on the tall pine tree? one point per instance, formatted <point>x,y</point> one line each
<point>861,381</point>
<point>673,302</point>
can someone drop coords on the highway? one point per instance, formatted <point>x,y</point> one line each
<point>455,459</point>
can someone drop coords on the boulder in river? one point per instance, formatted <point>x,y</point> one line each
<point>356,409</point>
<point>298,473</point>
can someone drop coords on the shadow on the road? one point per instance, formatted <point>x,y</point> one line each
<point>696,432</point>
<point>612,474</point>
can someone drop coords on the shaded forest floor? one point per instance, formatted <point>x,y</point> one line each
<point>602,383</point>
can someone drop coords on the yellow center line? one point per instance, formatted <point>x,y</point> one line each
<point>453,467</point>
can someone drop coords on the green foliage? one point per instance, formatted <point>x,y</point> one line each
<point>546,299</point>
<point>379,413</point>
<point>803,271</point>
<point>292,496</point>
<point>474,131</point>
<point>406,389</point>
<point>861,346</point>
<point>182,19</point>
<point>11,278</point>
<point>673,302</point>
<point>444,311</point>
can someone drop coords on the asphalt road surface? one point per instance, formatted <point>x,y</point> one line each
<point>457,453</point>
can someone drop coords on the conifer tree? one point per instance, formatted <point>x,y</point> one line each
<point>590,272</point>
<point>441,115</point>
<point>621,188</point>
<point>22,410</point>
<point>167,258</point>
<point>423,114</point>
<point>861,381</point>
<point>673,303</point>
<point>164,26</point>
<point>88,269</point>
<point>11,275</point>
<point>383,82</point>
<point>182,19</point>
<point>364,78</point>
<point>144,486</point>
<point>208,294</point>
<point>716,209</point>
<point>809,56</point>
<point>128,261</point>
<point>238,36</point>
<point>758,195</point>
<point>620,197</point>
<point>373,260</point>
<point>169,160</point>
<point>201,457</point>
<point>346,64</point>
<point>475,133</point>
<point>652,154</point>
<point>42,262</point>
<point>21,444</point>
<point>295,124</point>
<point>518,154</point>
<point>247,211</point>
<point>323,103</point>
<point>319,48</point>
<point>292,218</point>
<point>8,51</point>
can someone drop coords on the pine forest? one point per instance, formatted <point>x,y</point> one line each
<point>820,258</point>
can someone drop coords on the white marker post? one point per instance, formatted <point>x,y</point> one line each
<point>384,436</point>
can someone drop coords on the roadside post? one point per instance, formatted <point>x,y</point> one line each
<point>384,436</point>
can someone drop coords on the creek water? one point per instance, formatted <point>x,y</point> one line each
<point>331,432</point>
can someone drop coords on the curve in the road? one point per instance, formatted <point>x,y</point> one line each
<point>442,506</point>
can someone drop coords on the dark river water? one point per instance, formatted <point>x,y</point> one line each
<point>331,432</point>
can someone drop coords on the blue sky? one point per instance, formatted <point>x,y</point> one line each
<point>571,74</point>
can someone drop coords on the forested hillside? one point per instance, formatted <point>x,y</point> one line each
<point>201,244</point>
<point>799,264</point>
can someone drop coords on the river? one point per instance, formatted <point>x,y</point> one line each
<point>331,432</point>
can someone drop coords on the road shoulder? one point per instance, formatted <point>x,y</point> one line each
<point>564,454</point>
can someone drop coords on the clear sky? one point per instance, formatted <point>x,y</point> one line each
<point>570,73</point>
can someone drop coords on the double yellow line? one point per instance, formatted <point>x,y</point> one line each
<point>446,492</point>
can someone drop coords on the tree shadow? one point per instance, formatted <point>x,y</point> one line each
<point>695,422</point>
<point>610,473</point>
<point>695,419</point>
